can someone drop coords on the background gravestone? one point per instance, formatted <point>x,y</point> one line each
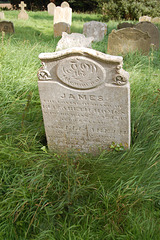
<point>2,15</point>
<point>145,19</point>
<point>95,29</point>
<point>155,20</point>
<point>6,27</point>
<point>128,40</point>
<point>23,14</point>
<point>125,25</point>
<point>85,100</point>
<point>51,7</point>
<point>63,15</point>
<point>152,30</point>
<point>61,27</point>
<point>73,40</point>
<point>64,4</point>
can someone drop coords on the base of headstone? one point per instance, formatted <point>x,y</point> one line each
<point>23,15</point>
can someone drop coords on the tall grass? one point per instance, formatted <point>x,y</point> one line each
<point>55,196</point>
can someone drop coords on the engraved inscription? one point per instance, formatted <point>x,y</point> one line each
<point>80,72</point>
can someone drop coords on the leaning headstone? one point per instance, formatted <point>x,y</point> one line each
<point>85,100</point>
<point>128,40</point>
<point>23,14</point>
<point>64,4</point>
<point>155,20</point>
<point>125,25</point>
<point>74,40</point>
<point>51,7</point>
<point>95,29</point>
<point>152,30</point>
<point>145,19</point>
<point>2,15</point>
<point>63,15</point>
<point>61,27</point>
<point>6,27</point>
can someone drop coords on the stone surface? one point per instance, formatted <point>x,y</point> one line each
<point>155,20</point>
<point>125,25</point>
<point>51,7</point>
<point>128,40</point>
<point>23,14</point>
<point>95,29</point>
<point>64,4</point>
<point>73,40</point>
<point>61,27</point>
<point>6,27</point>
<point>85,100</point>
<point>145,19</point>
<point>63,15</point>
<point>2,15</point>
<point>152,30</point>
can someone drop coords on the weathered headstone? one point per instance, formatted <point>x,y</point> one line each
<point>6,27</point>
<point>23,14</point>
<point>152,30</point>
<point>61,27</point>
<point>155,20</point>
<point>51,7</point>
<point>63,15</point>
<point>73,40</point>
<point>95,29</point>
<point>125,25</point>
<point>85,100</point>
<point>64,4</point>
<point>2,15</point>
<point>145,19</point>
<point>128,40</point>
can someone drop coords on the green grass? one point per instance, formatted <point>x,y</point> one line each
<point>55,196</point>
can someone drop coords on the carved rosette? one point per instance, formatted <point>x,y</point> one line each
<point>121,77</point>
<point>43,74</point>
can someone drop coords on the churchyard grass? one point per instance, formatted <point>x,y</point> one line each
<point>55,196</point>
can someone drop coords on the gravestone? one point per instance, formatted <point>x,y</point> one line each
<point>95,29</point>
<point>51,7</point>
<point>61,27</point>
<point>64,4</point>
<point>128,40</point>
<point>63,15</point>
<point>125,25</point>
<point>145,19</point>
<point>23,14</point>
<point>85,100</point>
<point>74,40</point>
<point>155,20</point>
<point>2,15</point>
<point>6,27</point>
<point>152,31</point>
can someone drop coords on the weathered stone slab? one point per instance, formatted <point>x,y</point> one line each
<point>6,27</point>
<point>64,4</point>
<point>128,40</point>
<point>2,15</point>
<point>155,20</point>
<point>145,19</point>
<point>95,29</point>
<point>51,7</point>
<point>23,14</point>
<point>61,27</point>
<point>152,30</point>
<point>85,100</point>
<point>73,40</point>
<point>63,15</point>
<point>125,25</point>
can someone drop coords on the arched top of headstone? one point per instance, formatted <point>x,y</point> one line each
<point>83,52</point>
<point>51,7</point>
<point>151,29</point>
<point>64,4</point>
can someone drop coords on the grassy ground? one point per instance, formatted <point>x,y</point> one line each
<point>53,196</point>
